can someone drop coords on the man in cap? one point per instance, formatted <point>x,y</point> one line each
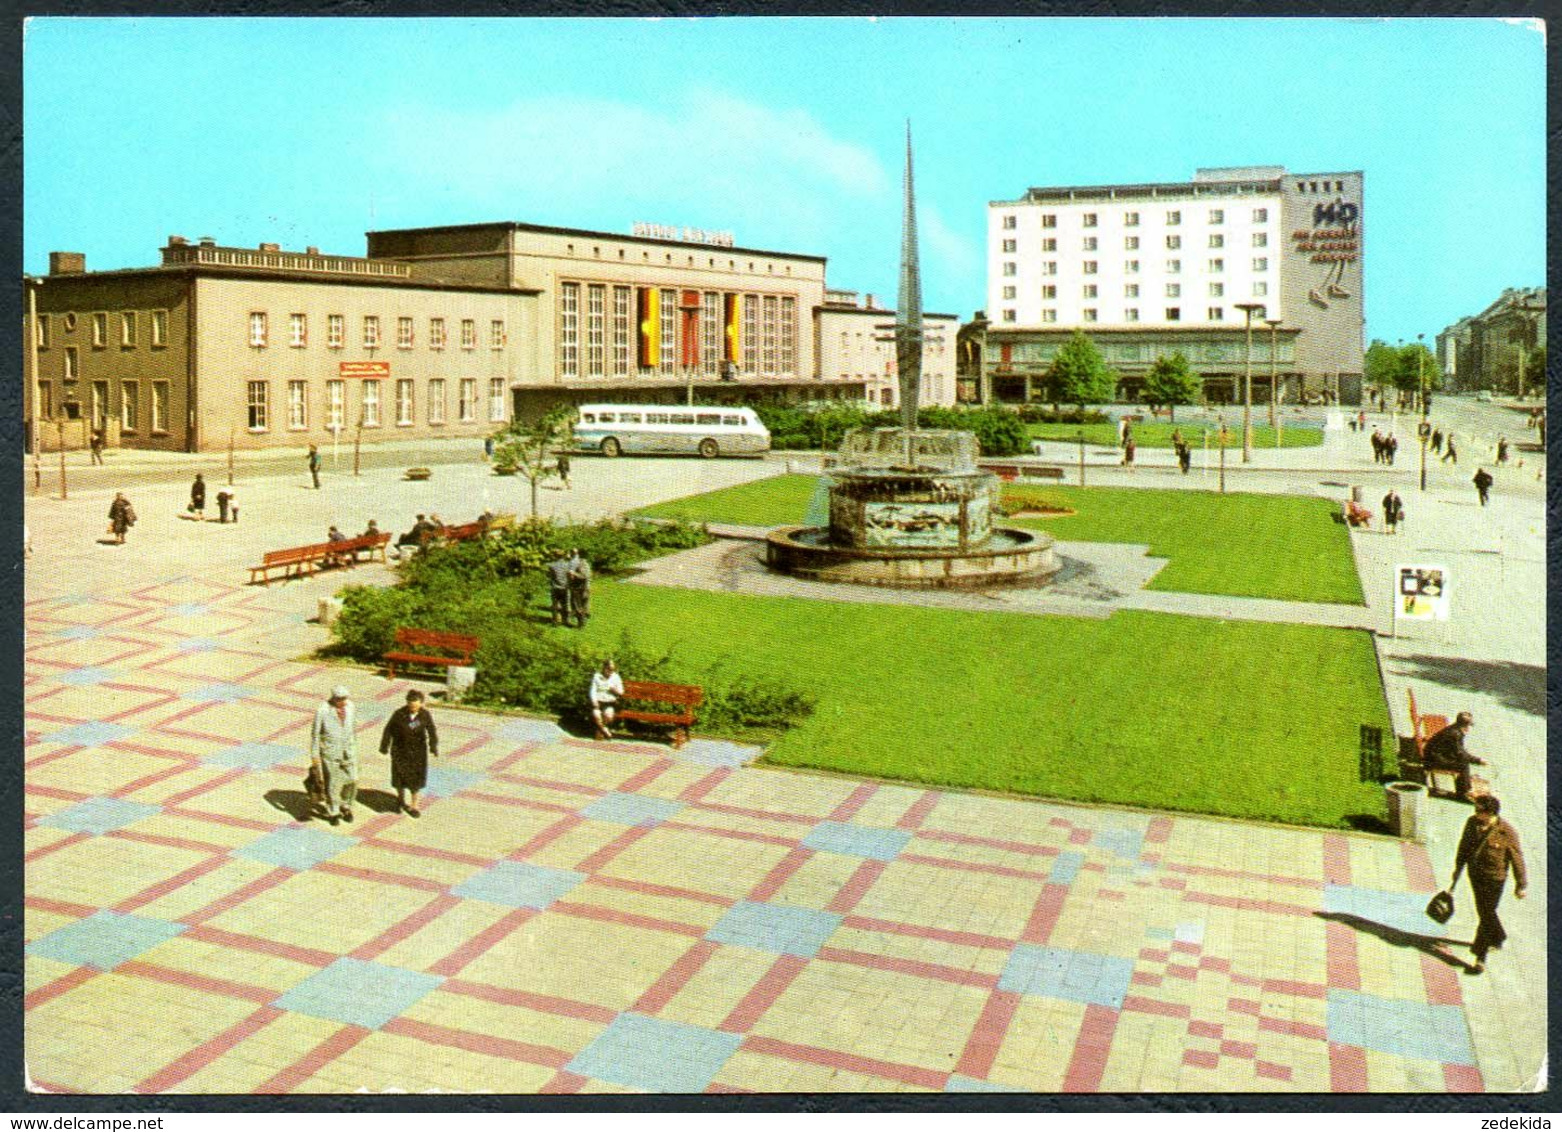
<point>333,753</point>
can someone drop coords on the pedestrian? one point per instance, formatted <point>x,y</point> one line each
<point>1361,421</point>
<point>198,498</point>
<point>224,498</point>
<point>1437,440</point>
<point>333,753</point>
<point>1450,453</point>
<point>579,588</point>
<point>314,465</point>
<point>1502,450</point>
<point>558,589</point>
<point>96,445</point>
<point>607,687</point>
<point>1129,448</point>
<point>121,517</point>
<point>1488,847</point>
<point>563,468</point>
<point>1393,511</point>
<point>1185,457</point>
<point>488,448</point>
<point>233,507</point>
<point>1377,446</point>
<point>1390,448</point>
<point>1483,482</point>
<point>411,738</point>
<point>1446,751</point>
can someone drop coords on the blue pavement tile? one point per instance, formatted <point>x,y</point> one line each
<point>519,885</point>
<point>257,756</point>
<point>78,633</point>
<point>99,815</point>
<point>1190,931</point>
<point>104,940</point>
<point>93,734</point>
<point>631,809</point>
<point>780,928</point>
<point>358,993</point>
<point>715,752</point>
<point>1165,934</point>
<point>1066,866</point>
<point>959,1083</point>
<point>85,676</point>
<point>218,693</point>
<point>1127,843</point>
<point>294,847</point>
<point>198,644</point>
<point>857,840</point>
<point>1405,911</point>
<point>529,731</point>
<point>662,1057</point>
<point>1077,976</point>
<point>1400,1027</point>
<point>189,609</point>
<point>446,782</point>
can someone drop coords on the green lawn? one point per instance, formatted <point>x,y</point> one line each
<point>1157,434</point>
<point>1242,719</point>
<point>1243,545</point>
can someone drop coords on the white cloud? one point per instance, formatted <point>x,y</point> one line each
<point>952,261</point>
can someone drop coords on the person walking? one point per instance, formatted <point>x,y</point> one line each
<point>1390,449</point>
<point>410,738</point>
<point>1502,450</point>
<point>607,688</point>
<point>1393,511</point>
<point>579,588</point>
<point>563,469</point>
<point>96,445</point>
<point>1488,847</point>
<point>1450,453</point>
<point>314,465</point>
<point>558,589</point>
<point>1483,482</point>
<point>121,517</point>
<point>1129,448</point>
<point>1377,446</point>
<point>1184,457</point>
<point>223,499</point>
<point>198,498</point>
<point>1437,440</point>
<point>333,752</point>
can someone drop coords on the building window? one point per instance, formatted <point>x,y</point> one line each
<point>1217,265</point>
<point>1009,268</point>
<point>297,330</point>
<point>127,328</point>
<point>436,400</point>
<point>496,400</point>
<point>371,331</point>
<point>99,330</point>
<point>1174,217</point>
<point>1008,220</point>
<point>1090,267</point>
<point>670,314</point>
<point>1008,315</point>
<point>1130,267</point>
<point>1131,314</point>
<point>1090,314</point>
<point>621,331</point>
<point>259,401</point>
<point>159,329</point>
<point>130,403</point>
<point>1131,243</point>
<point>335,331</point>
<point>1173,242</point>
<point>1217,216</point>
<point>1260,216</point>
<point>1173,314</point>
<point>1049,315</point>
<point>297,404</point>
<point>596,329</point>
<point>750,332</point>
<point>1049,290</point>
<point>1260,239</point>
<point>72,364</point>
<point>403,333</point>
<point>1008,292</point>
<point>1173,290</point>
<point>257,329</point>
<point>1008,245</point>
<point>1130,220</point>
<point>1174,267</point>
<point>1216,290</point>
<point>436,334</point>
<point>46,400</point>
<point>1049,220</point>
<point>1260,288</point>
<point>404,401</point>
<point>159,406</point>
<point>788,359</point>
<point>335,405</point>
<point>496,338</point>
<point>1217,240</point>
<point>1261,263</point>
<point>1090,244</point>
<point>768,336</point>
<point>469,326</point>
<point>569,330</point>
<point>1090,220</point>
<point>467,405</point>
<point>1049,244</point>
<point>369,402</point>
<point>41,331</point>
<point>1090,290</point>
<point>1049,267</point>
<point>1130,290</point>
<point>1217,314</point>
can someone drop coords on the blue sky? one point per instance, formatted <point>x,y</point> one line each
<point>788,132</point>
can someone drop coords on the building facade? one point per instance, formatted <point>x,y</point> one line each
<point>1491,350</point>
<point>1146,269</point>
<point>856,350</point>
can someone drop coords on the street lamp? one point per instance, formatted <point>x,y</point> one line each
<point>1426,427</point>
<point>1274,381</point>
<point>1247,383</point>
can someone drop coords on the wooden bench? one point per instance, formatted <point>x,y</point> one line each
<point>687,697</point>
<point>1008,473</point>
<point>303,561</point>
<point>416,646</point>
<point>1356,515</point>
<point>1422,728</point>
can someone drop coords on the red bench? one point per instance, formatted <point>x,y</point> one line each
<point>1422,728</point>
<point>303,561</point>
<point>416,646</point>
<point>686,697</point>
<point>1356,515</point>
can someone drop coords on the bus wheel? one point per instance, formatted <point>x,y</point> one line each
<point>708,448</point>
<point>610,447</point>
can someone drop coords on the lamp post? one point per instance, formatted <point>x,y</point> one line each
<point>1274,380</point>
<point>1247,383</point>
<point>1426,427</point>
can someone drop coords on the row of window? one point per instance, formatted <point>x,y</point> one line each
<point>43,328</point>
<point>1131,219</point>
<point>1131,290</point>
<point>1131,243</point>
<point>336,332</point>
<point>370,404</point>
<point>1131,266</point>
<point>1130,314</point>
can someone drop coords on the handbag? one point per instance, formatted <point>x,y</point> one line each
<point>314,785</point>
<point>1441,907</point>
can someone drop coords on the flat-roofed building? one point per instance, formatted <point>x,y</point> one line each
<point>856,351</point>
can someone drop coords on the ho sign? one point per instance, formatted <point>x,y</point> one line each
<point>1341,213</point>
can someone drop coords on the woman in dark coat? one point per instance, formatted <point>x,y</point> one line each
<point>1488,848</point>
<point>410,737</point>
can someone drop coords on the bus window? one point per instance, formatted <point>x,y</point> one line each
<point>656,418</point>
<point>732,420</point>
<point>628,418</point>
<point>682,418</point>
<point>588,418</point>
<point>605,418</point>
<point>709,418</point>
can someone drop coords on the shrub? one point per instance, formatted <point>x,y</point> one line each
<point>1039,414</point>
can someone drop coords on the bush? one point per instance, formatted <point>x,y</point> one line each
<point>1038,414</point>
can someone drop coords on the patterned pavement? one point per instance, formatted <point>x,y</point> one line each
<point>571,916</point>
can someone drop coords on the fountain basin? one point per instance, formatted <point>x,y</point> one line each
<point>1008,557</point>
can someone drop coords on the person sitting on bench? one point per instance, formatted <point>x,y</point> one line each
<point>607,687</point>
<point>416,537</point>
<point>1446,751</point>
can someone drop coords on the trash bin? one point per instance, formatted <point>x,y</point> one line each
<point>1405,800</point>
<point>1355,493</point>
<point>459,681</point>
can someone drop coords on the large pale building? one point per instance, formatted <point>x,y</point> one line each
<point>1491,349</point>
<point>856,343</point>
<point>1148,269</point>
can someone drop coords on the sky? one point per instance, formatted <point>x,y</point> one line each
<point>787,132</point>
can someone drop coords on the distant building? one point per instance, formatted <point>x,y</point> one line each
<point>1149,269</point>
<point>856,345</point>
<point>1491,349</point>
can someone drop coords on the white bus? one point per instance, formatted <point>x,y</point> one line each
<point>708,430</point>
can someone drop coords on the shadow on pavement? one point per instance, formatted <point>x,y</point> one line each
<point>1521,687</point>
<point>1396,937</point>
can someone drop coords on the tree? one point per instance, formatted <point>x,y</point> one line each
<point>1535,369</point>
<point>533,449</point>
<point>1170,382</point>
<point>1380,365</point>
<point>1079,376</point>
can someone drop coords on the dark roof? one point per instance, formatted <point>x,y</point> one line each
<point>515,225</point>
<point>282,275</point>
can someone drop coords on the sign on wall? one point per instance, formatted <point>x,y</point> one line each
<point>364,369</point>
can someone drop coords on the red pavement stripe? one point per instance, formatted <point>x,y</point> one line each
<point>222,779</point>
<point>512,800</point>
<point>1044,917</point>
<point>697,790</point>
<point>239,895</point>
<point>210,985</point>
<point>1142,1005</point>
<point>1293,1028</point>
<point>763,994</point>
<point>628,919</point>
<point>1296,988</point>
<point>188,1064</point>
<point>61,985</point>
<point>414,923</point>
<point>834,1059</point>
<point>988,842</point>
<point>917,967</point>
<point>60,907</point>
<point>675,978</point>
<point>644,778</point>
<point>784,870</point>
<point>171,884</point>
<point>542,1003</point>
<point>1342,960</point>
<point>717,1088</point>
<point>1463,1079</point>
<point>1248,904</point>
<point>974,867</point>
<point>143,838</point>
<point>1347,1069</point>
<point>854,802</point>
<point>548,784</point>
<point>732,834</point>
<point>986,1037</point>
<point>1091,1049</point>
<point>56,846</point>
<point>1418,867</point>
<point>55,792</point>
<point>762,815</point>
<point>548,836</point>
<point>39,1085</point>
<point>308,956</point>
<point>454,963</point>
<point>507,1048</point>
<point>601,857</point>
<point>219,819</point>
<point>921,931</point>
<point>521,751</point>
<point>850,894</point>
<point>1336,858</point>
<point>918,811</point>
<point>1159,830</point>
<point>315,1060</point>
<point>1442,985</point>
<point>379,876</point>
<point>433,852</point>
<point>1241,874</point>
<point>565,1082</point>
<point>646,888</point>
<point>39,760</point>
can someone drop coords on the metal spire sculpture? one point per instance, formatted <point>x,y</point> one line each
<point>908,316</point>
